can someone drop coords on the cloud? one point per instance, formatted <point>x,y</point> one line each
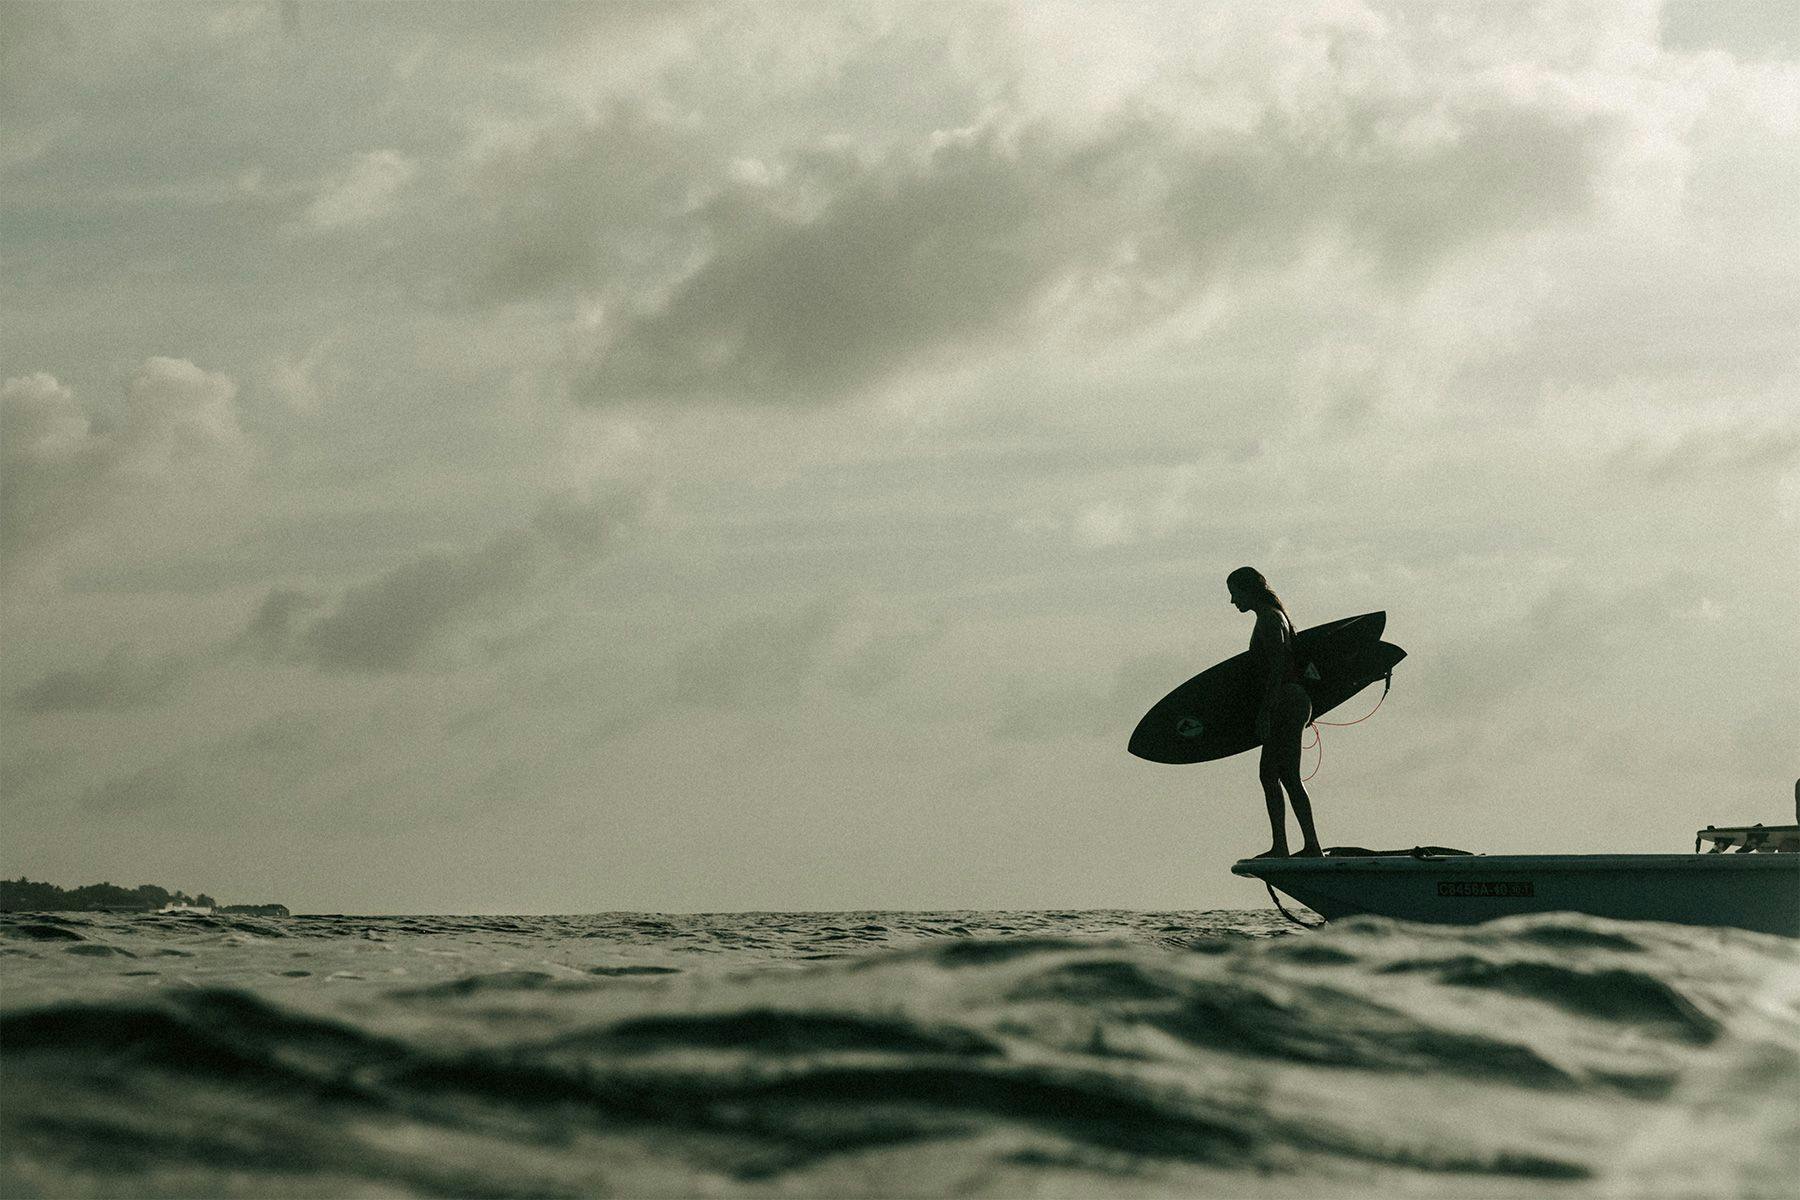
<point>396,620</point>
<point>363,191</point>
<point>387,623</point>
<point>25,765</point>
<point>1746,28</point>
<point>770,660</point>
<point>1042,708</point>
<point>578,201</point>
<point>807,270</point>
<point>30,34</point>
<point>1044,711</point>
<point>832,270</point>
<point>159,786</point>
<point>873,647</point>
<point>1736,450</point>
<point>1495,295</point>
<point>369,768</point>
<point>59,474</point>
<point>256,769</point>
<point>276,622</point>
<point>307,382</point>
<point>1569,634</point>
<point>1115,522</point>
<point>179,420</point>
<point>757,662</point>
<point>121,680</point>
<point>392,622</point>
<point>49,462</point>
<point>801,299</point>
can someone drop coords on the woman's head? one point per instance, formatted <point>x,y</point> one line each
<point>1249,590</point>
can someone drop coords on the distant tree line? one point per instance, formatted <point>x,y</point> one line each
<point>22,895</point>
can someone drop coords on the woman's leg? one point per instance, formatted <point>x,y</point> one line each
<point>1291,717</point>
<point>1269,773</point>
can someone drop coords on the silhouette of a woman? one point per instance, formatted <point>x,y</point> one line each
<point>1283,710</point>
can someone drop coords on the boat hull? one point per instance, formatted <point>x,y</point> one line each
<point>1759,892</point>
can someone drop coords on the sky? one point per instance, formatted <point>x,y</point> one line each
<point>539,458</point>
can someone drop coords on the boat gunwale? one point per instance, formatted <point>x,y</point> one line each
<point>1256,868</point>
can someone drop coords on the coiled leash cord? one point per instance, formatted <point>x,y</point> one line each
<point>1387,681</point>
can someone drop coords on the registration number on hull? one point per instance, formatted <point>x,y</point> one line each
<point>1473,887</point>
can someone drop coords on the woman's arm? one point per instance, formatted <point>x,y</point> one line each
<point>1267,638</point>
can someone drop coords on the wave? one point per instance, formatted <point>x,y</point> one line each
<point>1004,1065</point>
<point>801,1086</point>
<point>1618,995</point>
<point>778,1034</point>
<point>42,930</point>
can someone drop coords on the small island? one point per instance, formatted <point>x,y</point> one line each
<point>23,895</point>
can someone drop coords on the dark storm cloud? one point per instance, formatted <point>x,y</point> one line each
<point>387,623</point>
<point>839,271</point>
<point>905,257</point>
<point>393,621</point>
<point>123,679</point>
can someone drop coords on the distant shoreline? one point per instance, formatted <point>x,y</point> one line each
<point>23,895</point>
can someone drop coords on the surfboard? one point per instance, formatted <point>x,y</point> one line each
<point>1213,715</point>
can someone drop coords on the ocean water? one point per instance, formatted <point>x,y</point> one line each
<point>893,1054</point>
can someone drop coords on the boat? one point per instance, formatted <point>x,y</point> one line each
<point>1755,887</point>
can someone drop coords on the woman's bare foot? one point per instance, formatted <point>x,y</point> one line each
<point>1274,852</point>
<point>1311,850</point>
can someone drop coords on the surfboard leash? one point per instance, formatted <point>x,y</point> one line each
<point>1387,682</point>
<point>1284,912</point>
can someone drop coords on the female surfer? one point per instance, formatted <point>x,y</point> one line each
<point>1283,709</point>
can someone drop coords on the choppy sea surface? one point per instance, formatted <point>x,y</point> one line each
<point>893,1054</point>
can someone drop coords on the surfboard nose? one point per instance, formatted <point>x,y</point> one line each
<point>1142,744</point>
